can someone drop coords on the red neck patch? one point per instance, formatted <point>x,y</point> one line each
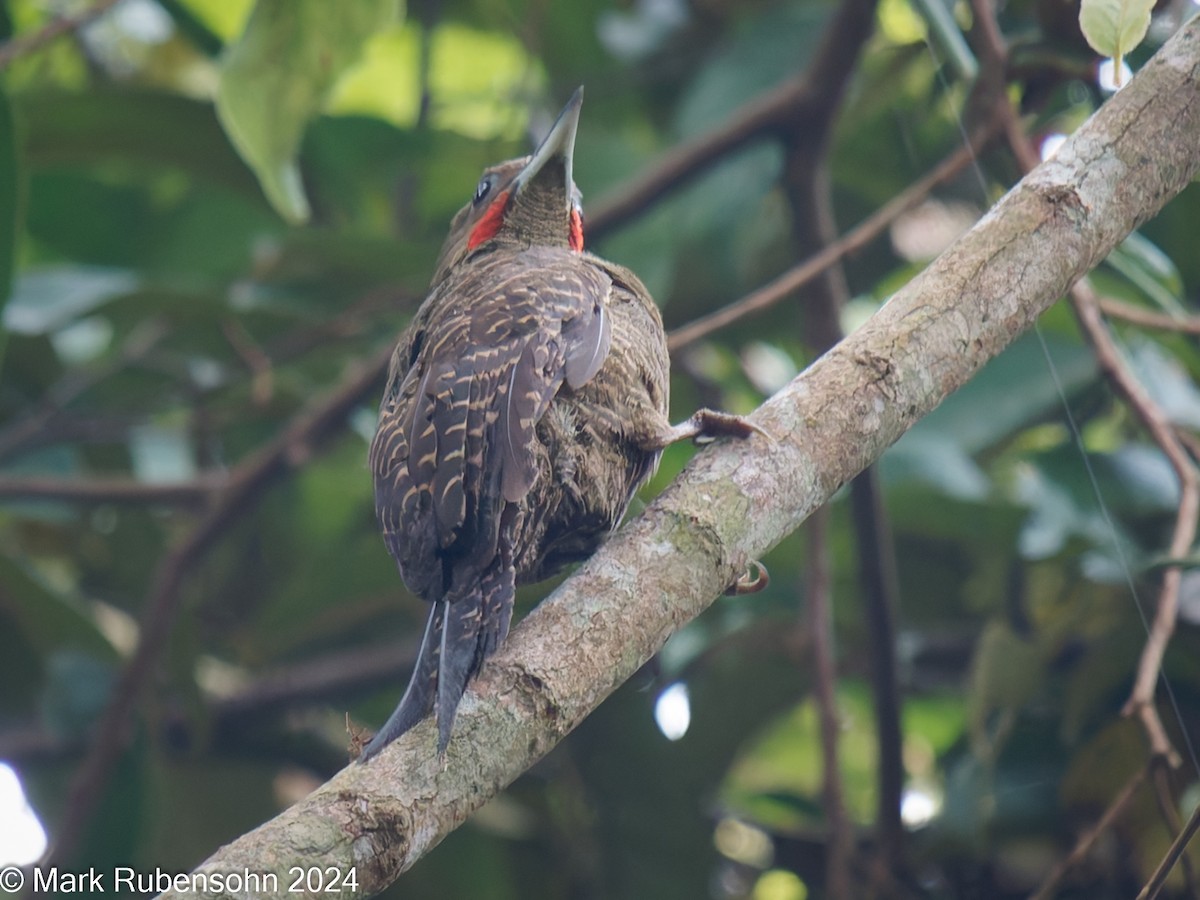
<point>486,228</point>
<point>575,238</point>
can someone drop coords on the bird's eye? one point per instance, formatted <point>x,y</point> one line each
<point>484,188</point>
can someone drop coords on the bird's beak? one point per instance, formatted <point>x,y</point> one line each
<point>558,145</point>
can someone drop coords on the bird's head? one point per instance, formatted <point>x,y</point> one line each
<point>523,202</point>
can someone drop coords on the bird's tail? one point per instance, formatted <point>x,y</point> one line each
<point>418,697</point>
<point>462,631</point>
<point>476,624</point>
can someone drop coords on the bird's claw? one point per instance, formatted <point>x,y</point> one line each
<point>708,425</point>
<point>754,579</point>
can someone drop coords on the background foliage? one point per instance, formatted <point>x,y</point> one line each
<point>215,212</point>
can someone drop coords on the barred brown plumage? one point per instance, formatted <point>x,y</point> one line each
<point>525,404</point>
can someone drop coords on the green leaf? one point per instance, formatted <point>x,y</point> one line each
<point>275,78</point>
<point>47,619</point>
<point>1017,388</point>
<point>147,130</point>
<point>1114,27</point>
<point>1151,271</point>
<point>50,298</point>
<point>1006,672</point>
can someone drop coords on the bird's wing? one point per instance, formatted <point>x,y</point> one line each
<point>456,438</point>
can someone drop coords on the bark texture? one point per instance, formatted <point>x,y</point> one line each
<point>736,500</point>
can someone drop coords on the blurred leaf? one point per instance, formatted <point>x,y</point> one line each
<point>205,30</point>
<point>1099,681</point>
<point>481,81</point>
<point>1005,673</point>
<point>136,127</point>
<point>1151,271</point>
<point>1016,388</point>
<point>785,762</point>
<point>48,620</point>
<point>937,461</point>
<point>771,47</point>
<point>363,175</point>
<point>161,454</point>
<point>1102,765</point>
<point>384,84</point>
<point>275,78</point>
<point>1012,794</point>
<point>1069,499</point>
<point>1114,27</point>
<point>226,18</point>
<point>49,299</point>
<point>1167,382</point>
<point>75,694</point>
<point>123,800</point>
<point>485,79</point>
<point>938,720</point>
<point>1138,480</point>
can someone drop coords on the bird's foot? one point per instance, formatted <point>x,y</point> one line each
<point>706,425</point>
<point>754,579</point>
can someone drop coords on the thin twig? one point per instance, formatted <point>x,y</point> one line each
<point>1159,878</point>
<point>786,103</point>
<point>1155,421</point>
<point>1136,315</point>
<point>1164,796</point>
<point>53,30</point>
<point>1190,442</point>
<point>246,484</point>
<point>262,377</point>
<point>862,234</point>
<point>1088,839</point>
<point>114,490</point>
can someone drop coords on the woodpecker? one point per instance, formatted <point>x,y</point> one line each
<point>525,404</point>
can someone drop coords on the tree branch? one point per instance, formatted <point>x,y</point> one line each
<point>1136,315</point>
<point>737,500</point>
<point>1087,840</point>
<point>113,490</point>
<point>788,101</point>
<point>1159,878</point>
<point>1154,420</point>
<point>55,29</point>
